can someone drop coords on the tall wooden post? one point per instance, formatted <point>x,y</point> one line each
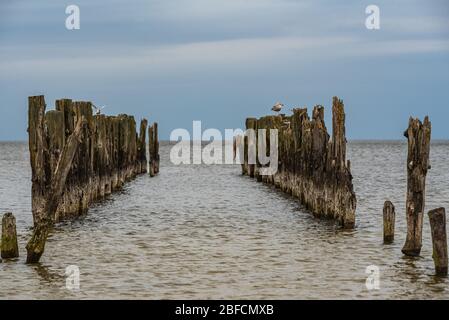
<point>151,150</point>
<point>153,146</point>
<point>389,220</point>
<point>142,147</point>
<point>437,219</point>
<point>156,147</point>
<point>38,154</point>
<point>251,147</point>
<point>418,135</point>
<point>36,245</point>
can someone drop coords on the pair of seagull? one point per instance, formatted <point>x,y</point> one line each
<point>276,108</point>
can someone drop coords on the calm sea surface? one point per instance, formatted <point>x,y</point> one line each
<point>203,232</point>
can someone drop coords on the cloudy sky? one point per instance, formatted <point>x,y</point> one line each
<point>220,61</point>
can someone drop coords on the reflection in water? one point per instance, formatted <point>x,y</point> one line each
<point>207,232</point>
<point>47,276</point>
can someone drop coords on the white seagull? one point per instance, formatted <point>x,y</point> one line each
<point>277,107</point>
<point>98,109</point>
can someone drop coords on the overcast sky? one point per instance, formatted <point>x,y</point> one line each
<point>220,61</point>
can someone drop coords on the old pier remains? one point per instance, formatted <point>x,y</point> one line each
<point>77,158</point>
<point>311,166</point>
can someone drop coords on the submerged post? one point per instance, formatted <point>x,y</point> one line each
<point>9,246</point>
<point>437,218</point>
<point>418,135</point>
<point>389,219</point>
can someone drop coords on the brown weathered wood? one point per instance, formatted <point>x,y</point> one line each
<point>312,167</point>
<point>107,152</point>
<point>38,154</point>
<point>418,135</point>
<point>9,246</point>
<point>437,218</point>
<point>142,147</point>
<point>153,146</point>
<point>156,147</point>
<point>36,244</point>
<point>249,165</point>
<point>389,217</point>
<point>151,150</point>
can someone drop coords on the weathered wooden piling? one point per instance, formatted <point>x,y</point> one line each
<point>153,146</point>
<point>437,218</point>
<point>311,167</point>
<point>389,217</point>
<point>142,146</point>
<point>52,195</point>
<point>418,135</point>
<point>9,246</point>
<point>77,158</point>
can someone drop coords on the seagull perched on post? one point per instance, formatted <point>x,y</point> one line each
<point>277,107</point>
<point>98,109</point>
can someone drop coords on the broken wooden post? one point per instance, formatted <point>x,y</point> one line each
<point>418,135</point>
<point>389,220</point>
<point>153,146</point>
<point>437,218</point>
<point>311,166</point>
<point>9,246</point>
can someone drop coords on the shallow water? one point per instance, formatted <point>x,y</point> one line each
<point>206,232</point>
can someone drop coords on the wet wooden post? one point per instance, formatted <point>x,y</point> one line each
<point>142,147</point>
<point>251,147</point>
<point>153,146</point>
<point>156,151</point>
<point>36,245</point>
<point>389,216</point>
<point>437,218</point>
<point>9,246</point>
<point>38,154</point>
<point>151,150</point>
<point>418,135</point>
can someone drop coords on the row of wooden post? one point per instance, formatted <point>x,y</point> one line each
<point>312,165</point>
<point>418,135</point>
<point>76,158</point>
